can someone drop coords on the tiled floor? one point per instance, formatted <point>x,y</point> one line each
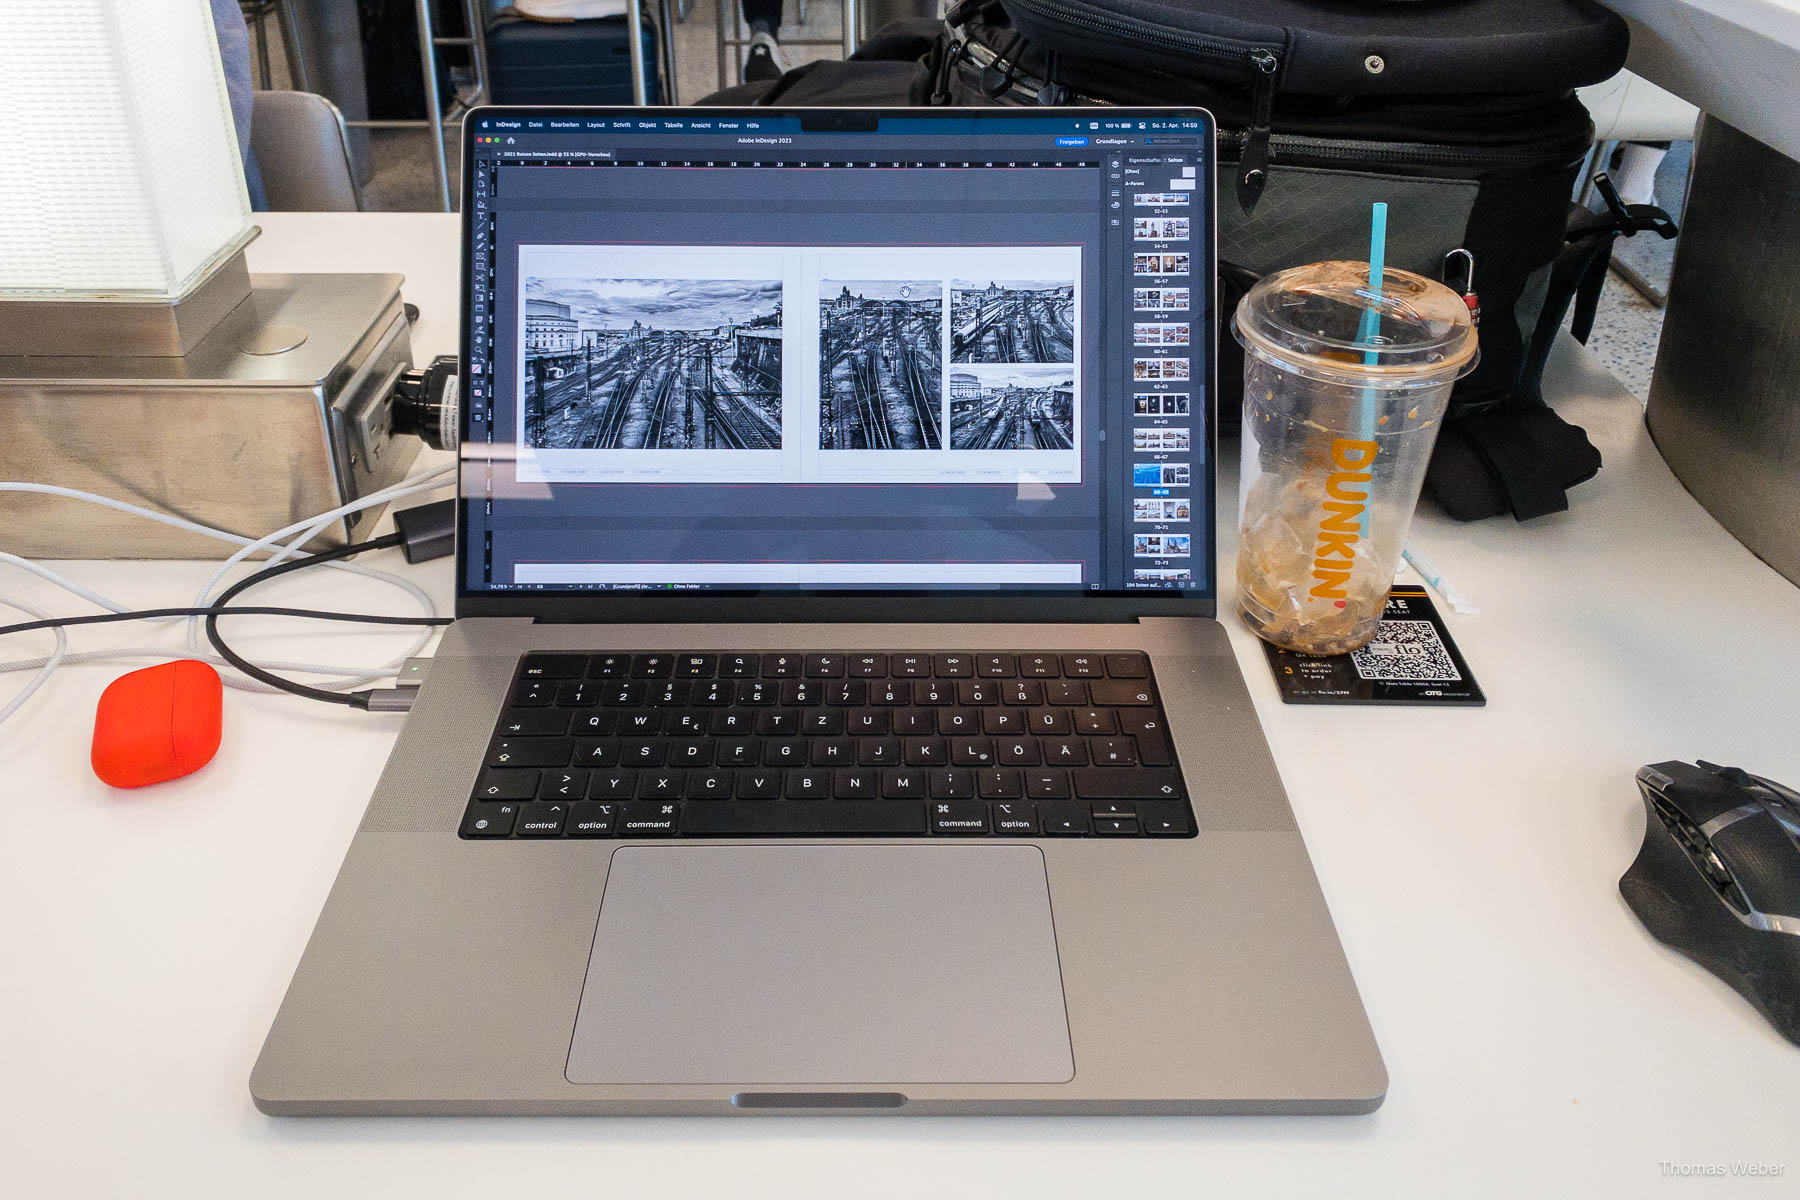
<point>1626,327</point>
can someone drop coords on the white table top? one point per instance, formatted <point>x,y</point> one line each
<point>1539,1041</point>
<point>1736,59</point>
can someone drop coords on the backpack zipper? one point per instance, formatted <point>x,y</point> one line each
<point>1253,160</point>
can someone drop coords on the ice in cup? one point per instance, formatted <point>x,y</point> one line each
<point>1340,415</point>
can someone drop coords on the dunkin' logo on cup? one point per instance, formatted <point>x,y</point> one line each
<point>1342,526</point>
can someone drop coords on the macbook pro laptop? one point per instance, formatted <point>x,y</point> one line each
<point>836,720</point>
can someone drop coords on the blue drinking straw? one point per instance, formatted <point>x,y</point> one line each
<point>1366,330</point>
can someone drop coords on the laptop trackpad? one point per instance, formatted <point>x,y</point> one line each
<point>823,964</point>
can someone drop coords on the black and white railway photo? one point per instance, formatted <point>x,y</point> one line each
<point>881,365</point>
<point>1012,408</point>
<point>1012,321</point>
<point>652,364</point>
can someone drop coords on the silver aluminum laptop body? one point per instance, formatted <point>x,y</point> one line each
<point>893,975</point>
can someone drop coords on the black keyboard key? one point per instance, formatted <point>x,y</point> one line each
<point>691,752</point>
<point>1047,785</point>
<point>578,693</point>
<point>1017,752</point>
<point>959,817</point>
<point>847,693</point>
<point>534,722</point>
<point>1048,722</point>
<point>612,785</point>
<point>1146,728</point>
<point>540,820</point>
<point>801,693</point>
<point>869,722</point>
<point>506,785</point>
<point>1022,692</point>
<point>1064,820</point>
<point>758,785</point>
<point>622,693</point>
<point>824,666</point>
<point>806,818</point>
<point>1096,720</point>
<point>696,666</point>
<point>891,693</point>
<point>531,752</point>
<point>916,722</point>
<point>668,693</point>
<point>953,666</point>
<point>878,752</point>
<point>833,752</point>
<point>925,752</point>
<point>781,666</point>
<point>713,693</point>
<point>643,752</point>
<point>757,693</point>
<point>660,785</point>
<point>823,723</point>
<point>653,666</point>
<point>1083,666</point>
<point>934,692</point>
<point>738,666</point>
<point>995,666</point>
<point>868,666</point>
<point>909,666</point>
<point>642,723</point>
<point>609,666</point>
<point>977,691</point>
<point>590,820</point>
<point>1008,721</point>
<point>903,784</point>
<point>972,752</point>
<point>1039,666</point>
<point>1116,693</point>
<point>778,722</point>
<point>1116,826</point>
<point>1015,817</point>
<point>533,693</point>
<point>1114,752</point>
<point>733,724</point>
<point>856,784</point>
<point>566,784</point>
<point>1127,666</point>
<point>709,785</point>
<point>1000,783</point>
<point>1114,808</point>
<point>595,722</point>
<point>954,783</point>
<point>489,820</point>
<point>1164,819</point>
<point>965,721</point>
<point>651,818</point>
<point>785,752</point>
<point>1127,783</point>
<point>808,785</point>
<point>1072,692</point>
<point>691,723</point>
<point>552,666</point>
<point>738,752</point>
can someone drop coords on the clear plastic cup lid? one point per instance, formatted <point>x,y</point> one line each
<point>1310,320</point>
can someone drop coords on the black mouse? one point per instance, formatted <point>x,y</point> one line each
<point>1718,878</point>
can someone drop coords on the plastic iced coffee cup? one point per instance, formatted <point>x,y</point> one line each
<point>1340,414</point>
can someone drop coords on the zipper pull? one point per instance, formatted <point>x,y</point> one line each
<point>1469,298</point>
<point>1253,164</point>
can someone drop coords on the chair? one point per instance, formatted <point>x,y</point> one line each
<point>303,151</point>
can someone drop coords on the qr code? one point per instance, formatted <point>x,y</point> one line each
<point>1406,652</point>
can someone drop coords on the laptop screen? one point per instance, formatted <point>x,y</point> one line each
<point>841,351</point>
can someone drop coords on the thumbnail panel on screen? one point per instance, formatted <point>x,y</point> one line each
<point>1012,321</point>
<point>1012,408</point>
<point>881,364</point>
<point>614,363</point>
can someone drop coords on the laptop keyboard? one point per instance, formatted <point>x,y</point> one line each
<point>720,745</point>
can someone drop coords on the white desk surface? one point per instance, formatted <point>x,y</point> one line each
<point>1736,59</point>
<point>1539,1041</point>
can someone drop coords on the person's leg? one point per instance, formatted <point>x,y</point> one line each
<point>1636,177</point>
<point>764,58</point>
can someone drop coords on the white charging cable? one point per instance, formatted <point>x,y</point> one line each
<point>307,530</point>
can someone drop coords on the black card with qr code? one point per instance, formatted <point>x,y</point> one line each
<point>1411,660</point>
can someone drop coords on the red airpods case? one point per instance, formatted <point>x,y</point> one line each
<point>159,723</point>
